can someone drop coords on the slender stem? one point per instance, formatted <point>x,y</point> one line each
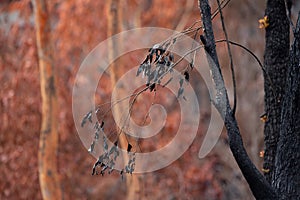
<point>230,58</point>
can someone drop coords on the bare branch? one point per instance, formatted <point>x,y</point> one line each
<point>230,58</point>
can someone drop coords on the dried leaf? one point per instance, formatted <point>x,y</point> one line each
<point>152,87</point>
<point>102,124</point>
<point>174,40</point>
<point>171,57</point>
<point>140,69</point>
<point>187,76</point>
<point>192,64</point>
<point>105,145</point>
<point>88,116</point>
<point>91,149</point>
<point>180,92</point>
<point>129,147</point>
<point>264,23</point>
<point>181,82</point>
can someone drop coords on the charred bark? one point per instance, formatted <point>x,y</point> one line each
<point>276,59</point>
<point>287,161</point>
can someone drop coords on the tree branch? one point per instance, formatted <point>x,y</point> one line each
<point>258,184</point>
<point>230,58</point>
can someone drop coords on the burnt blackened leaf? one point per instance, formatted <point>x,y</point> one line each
<point>96,137</point>
<point>154,74</point>
<point>192,64</point>
<point>181,82</point>
<point>101,158</point>
<point>152,87</point>
<point>116,143</point>
<point>88,116</point>
<point>103,170</point>
<point>171,57</point>
<point>102,124</point>
<point>129,147</point>
<point>129,168</point>
<point>113,149</point>
<point>180,92</point>
<point>121,173</point>
<point>150,77</point>
<point>174,40</point>
<point>98,162</point>
<point>116,154</point>
<point>186,76</point>
<point>105,145</point>
<point>92,147</point>
<point>97,126</point>
<point>166,59</point>
<point>140,69</point>
<point>94,170</point>
<point>126,169</point>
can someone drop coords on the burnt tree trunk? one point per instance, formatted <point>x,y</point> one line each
<point>48,176</point>
<point>275,66</point>
<point>287,161</point>
<point>282,105</point>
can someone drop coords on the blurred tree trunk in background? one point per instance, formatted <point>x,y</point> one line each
<point>49,179</point>
<point>114,26</point>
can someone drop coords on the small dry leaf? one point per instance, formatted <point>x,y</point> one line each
<point>264,117</point>
<point>265,170</point>
<point>262,154</point>
<point>264,23</point>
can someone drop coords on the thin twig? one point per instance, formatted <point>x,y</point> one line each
<point>231,60</point>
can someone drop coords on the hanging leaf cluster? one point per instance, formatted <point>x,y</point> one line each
<point>107,161</point>
<point>157,64</point>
